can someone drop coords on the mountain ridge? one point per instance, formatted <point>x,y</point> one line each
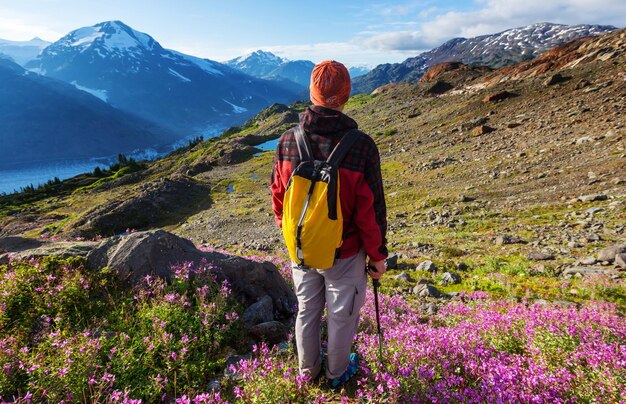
<point>493,50</point>
<point>184,93</point>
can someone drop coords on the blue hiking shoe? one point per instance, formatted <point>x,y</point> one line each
<point>353,368</point>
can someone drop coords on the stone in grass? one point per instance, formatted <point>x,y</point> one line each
<point>540,256</point>
<point>608,254</point>
<point>392,261</point>
<point>403,276</point>
<point>427,266</point>
<point>426,291</point>
<point>620,260</point>
<point>259,312</point>
<point>449,278</point>
<point>508,239</point>
<point>593,197</point>
<point>588,261</point>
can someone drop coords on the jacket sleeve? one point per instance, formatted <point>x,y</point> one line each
<point>371,211</point>
<point>278,190</point>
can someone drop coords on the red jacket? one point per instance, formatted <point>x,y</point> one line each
<point>361,192</point>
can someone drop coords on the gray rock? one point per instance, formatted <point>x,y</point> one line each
<point>589,271</point>
<point>403,276</point>
<point>620,260</point>
<point>260,312</point>
<point>449,278</point>
<point>426,291</point>
<point>272,332</point>
<point>154,252</point>
<point>427,266</point>
<point>588,261</point>
<point>593,211</point>
<point>508,239</point>
<point>593,197</point>
<point>392,261</point>
<point>540,256</point>
<point>609,253</point>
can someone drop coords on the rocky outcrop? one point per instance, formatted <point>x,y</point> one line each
<point>158,203</point>
<point>257,285</point>
<point>154,252</point>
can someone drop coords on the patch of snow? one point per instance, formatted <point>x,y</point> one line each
<point>84,37</point>
<point>205,64</point>
<point>180,76</point>
<point>236,108</point>
<point>102,94</point>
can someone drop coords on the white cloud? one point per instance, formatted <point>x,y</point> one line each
<point>12,27</point>
<point>494,16</point>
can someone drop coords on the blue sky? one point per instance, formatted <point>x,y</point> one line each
<point>355,32</point>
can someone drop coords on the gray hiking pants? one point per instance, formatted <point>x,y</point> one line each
<point>342,288</point>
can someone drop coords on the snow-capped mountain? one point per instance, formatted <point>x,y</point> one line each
<point>497,50</point>
<point>132,71</point>
<point>269,66</point>
<point>22,52</point>
<point>258,63</point>
<point>356,71</point>
<point>44,120</point>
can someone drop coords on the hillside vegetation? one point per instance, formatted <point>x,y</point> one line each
<point>503,189</point>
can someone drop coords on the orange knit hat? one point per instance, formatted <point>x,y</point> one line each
<point>330,84</point>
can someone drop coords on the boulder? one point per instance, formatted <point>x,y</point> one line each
<point>449,278</point>
<point>392,261</point>
<point>540,256</point>
<point>427,266</point>
<point>593,197</point>
<point>589,271</point>
<point>608,254</point>
<point>508,239</point>
<point>154,252</point>
<point>425,290</point>
<point>260,312</point>
<point>403,276</point>
<point>588,261</point>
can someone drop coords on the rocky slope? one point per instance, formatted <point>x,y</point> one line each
<point>496,50</point>
<point>468,154</point>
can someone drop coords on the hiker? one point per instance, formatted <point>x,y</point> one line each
<point>341,286</point>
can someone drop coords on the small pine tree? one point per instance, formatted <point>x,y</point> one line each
<point>97,172</point>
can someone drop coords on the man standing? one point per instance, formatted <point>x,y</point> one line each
<point>342,287</point>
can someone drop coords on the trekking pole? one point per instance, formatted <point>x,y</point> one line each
<point>376,284</point>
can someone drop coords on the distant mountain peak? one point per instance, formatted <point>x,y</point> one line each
<point>112,36</point>
<point>257,57</point>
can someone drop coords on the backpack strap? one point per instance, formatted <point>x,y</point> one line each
<point>343,147</point>
<point>304,148</point>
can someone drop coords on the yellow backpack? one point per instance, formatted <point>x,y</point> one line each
<point>312,220</point>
